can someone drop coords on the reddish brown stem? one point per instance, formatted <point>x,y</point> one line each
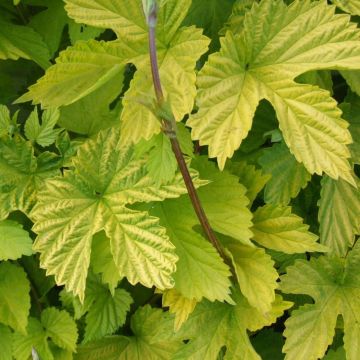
<point>169,128</point>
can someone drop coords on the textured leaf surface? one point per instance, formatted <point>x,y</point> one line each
<point>339,209</point>
<point>14,241</point>
<point>275,227</point>
<point>22,42</point>
<point>334,284</point>
<point>262,62</point>
<point>214,325</point>
<point>153,339</point>
<point>93,197</point>
<point>288,176</point>
<point>14,300</point>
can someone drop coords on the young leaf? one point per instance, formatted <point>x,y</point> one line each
<point>177,59</point>
<point>261,62</point>
<point>214,325</point>
<point>153,339</point>
<point>288,176</point>
<point>14,300</point>
<point>275,227</point>
<point>339,209</point>
<point>94,197</point>
<point>55,325</point>
<point>179,305</point>
<point>14,241</point>
<point>60,328</point>
<point>162,164</point>
<point>34,342</point>
<point>334,284</point>
<point>22,42</point>
<point>107,311</point>
<point>44,134</point>
<point>6,339</point>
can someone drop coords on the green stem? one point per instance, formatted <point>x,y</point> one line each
<point>169,128</point>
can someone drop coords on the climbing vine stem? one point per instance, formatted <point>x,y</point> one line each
<point>169,128</point>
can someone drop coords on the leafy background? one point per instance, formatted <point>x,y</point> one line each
<point>101,255</point>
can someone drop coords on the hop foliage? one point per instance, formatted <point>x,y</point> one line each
<point>101,253</point>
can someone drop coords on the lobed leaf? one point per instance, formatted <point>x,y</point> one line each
<point>261,63</point>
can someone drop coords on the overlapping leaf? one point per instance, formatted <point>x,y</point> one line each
<point>261,62</point>
<point>275,227</point>
<point>106,311</point>
<point>153,339</point>
<point>22,42</point>
<point>5,343</point>
<point>14,241</point>
<point>350,6</point>
<point>14,300</point>
<point>288,176</point>
<point>44,134</point>
<point>79,70</point>
<point>179,305</point>
<point>334,284</point>
<point>55,328</point>
<point>94,197</point>
<point>214,325</point>
<point>177,60</point>
<point>339,210</point>
<point>255,273</point>
<point>178,51</point>
<point>252,178</point>
<point>201,271</point>
<point>21,176</point>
